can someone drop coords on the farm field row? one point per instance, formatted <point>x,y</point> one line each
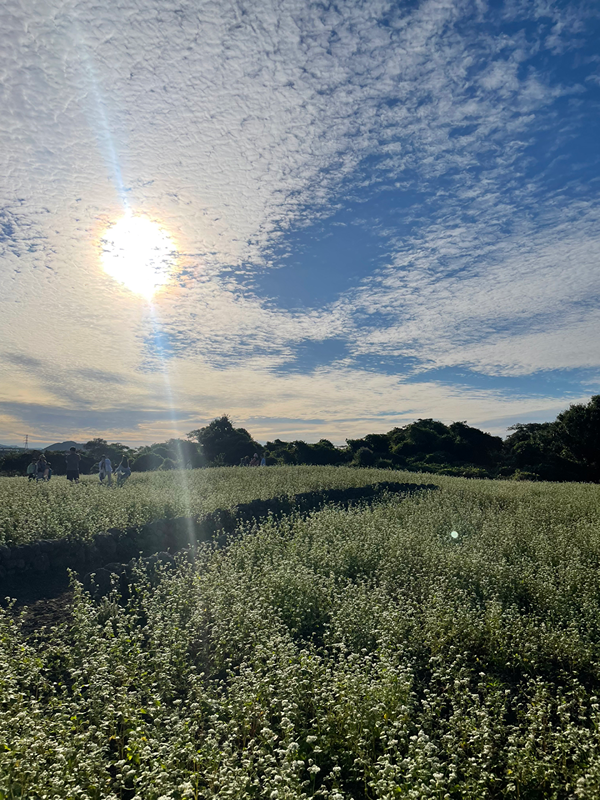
<point>30,511</point>
<point>354,654</point>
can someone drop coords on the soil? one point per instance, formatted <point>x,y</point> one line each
<point>47,612</point>
<point>45,602</point>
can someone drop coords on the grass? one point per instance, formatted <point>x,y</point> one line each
<point>353,654</point>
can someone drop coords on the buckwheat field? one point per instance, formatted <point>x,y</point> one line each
<point>32,511</point>
<point>441,646</point>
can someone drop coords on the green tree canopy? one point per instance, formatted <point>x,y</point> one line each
<point>578,430</point>
<point>221,443</point>
<point>147,462</point>
<point>96,448</point>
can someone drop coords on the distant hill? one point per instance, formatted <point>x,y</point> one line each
<point>62,446</point>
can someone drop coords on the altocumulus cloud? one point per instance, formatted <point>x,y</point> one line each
<point>458,129</point>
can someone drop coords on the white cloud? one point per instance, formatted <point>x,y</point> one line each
<point>335,403</point>
<point>229,123</point>
<point>525,304</point>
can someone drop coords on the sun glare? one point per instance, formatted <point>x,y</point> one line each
<point>139,254</point>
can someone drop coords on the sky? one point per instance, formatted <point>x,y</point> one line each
<point>351,215</point>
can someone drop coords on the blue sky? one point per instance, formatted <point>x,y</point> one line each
<point>378,211</point>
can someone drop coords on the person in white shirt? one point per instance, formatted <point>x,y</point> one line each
<point>105,470</point>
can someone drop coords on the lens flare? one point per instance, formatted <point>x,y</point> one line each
<point>139,254</point>
<point>172,409</point>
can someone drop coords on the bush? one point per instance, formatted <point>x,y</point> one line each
<point>364,457</point>
<point>147,462</point>
<point>523,475</point>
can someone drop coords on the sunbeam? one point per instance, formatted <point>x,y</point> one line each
<point>172,412</point>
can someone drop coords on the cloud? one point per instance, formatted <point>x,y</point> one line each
<point>101,376</point>
<point>234,124</point>
<point>523,304</point>
<point>330,402</point>
<point>255,111</point>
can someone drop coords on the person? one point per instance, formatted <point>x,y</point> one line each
<point>263,462</point>
<point>105,470</point>
<point>123,471</point>
<point>32,468</point>
<point>73,458</point>
<point>255,462</point>
<point>43,469</point>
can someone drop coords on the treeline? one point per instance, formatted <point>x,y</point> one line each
<point>567,449</point>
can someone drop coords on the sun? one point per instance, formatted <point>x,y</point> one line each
<point>139,254</point>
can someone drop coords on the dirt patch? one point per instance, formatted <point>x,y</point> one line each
<point>47,612</point>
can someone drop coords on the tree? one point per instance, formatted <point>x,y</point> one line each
<point>185,452</point>
<point>535,448</point>
<point>147,462</point>
<point>15,463</point>
<point>96,448</point>
<point>474,445</point>
<point>364,457</point>
<point>221,443</point>
<point>161,450</point>
<point>379,443</point>
<point>578,430</point>
<point>279,452</point>
<point>325,452</point>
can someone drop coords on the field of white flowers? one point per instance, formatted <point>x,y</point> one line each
<point>446,646</point>
<point>32,511</point>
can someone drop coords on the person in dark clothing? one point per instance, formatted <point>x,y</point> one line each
<point>73,458</point>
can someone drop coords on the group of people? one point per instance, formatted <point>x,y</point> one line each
<point>255,461</point>
<point>105,470</point>
<point>39,469</point>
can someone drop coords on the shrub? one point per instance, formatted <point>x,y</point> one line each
<point>147,462</point>
<point>364,457</point>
